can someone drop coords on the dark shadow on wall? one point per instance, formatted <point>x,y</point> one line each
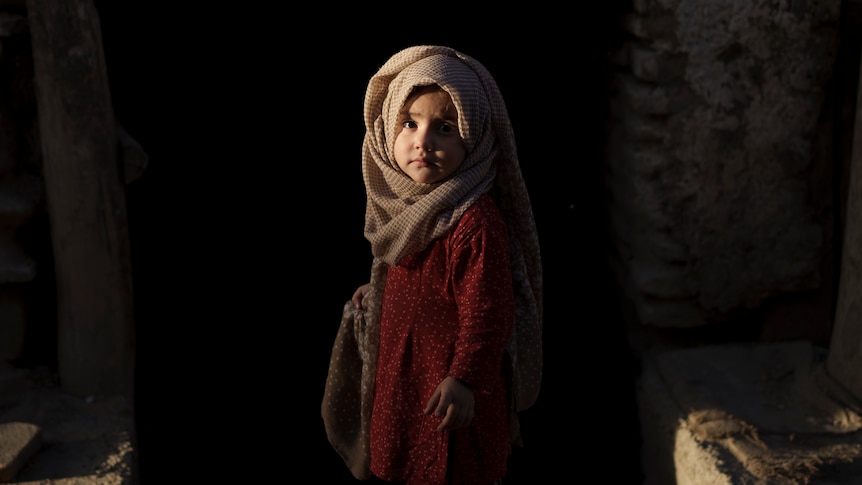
<point>246,228</point>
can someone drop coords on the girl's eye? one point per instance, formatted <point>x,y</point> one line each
<point>408,124</point>
<point>446,128</point>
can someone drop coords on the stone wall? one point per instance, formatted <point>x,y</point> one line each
<point>28,306</point>
<point>718,164</point>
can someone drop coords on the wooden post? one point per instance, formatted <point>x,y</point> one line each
<point>844,362</point>
<point>86,202</point>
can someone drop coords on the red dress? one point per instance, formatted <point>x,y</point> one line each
<point>447,311</point>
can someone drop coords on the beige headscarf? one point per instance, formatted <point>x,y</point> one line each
<point>403,217</point>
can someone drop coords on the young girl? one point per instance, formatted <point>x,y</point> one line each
<point>450,334</point>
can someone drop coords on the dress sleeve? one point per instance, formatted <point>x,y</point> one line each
<point>482,282</point>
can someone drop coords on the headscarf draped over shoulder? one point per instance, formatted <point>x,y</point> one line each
<point>403,216</point>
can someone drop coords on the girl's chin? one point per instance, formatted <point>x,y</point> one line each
<point>424,176</point>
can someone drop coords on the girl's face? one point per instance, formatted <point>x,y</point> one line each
<point>428,147</point>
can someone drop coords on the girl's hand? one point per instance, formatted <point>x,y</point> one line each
<point>359,294</point>
<point>453,401</point>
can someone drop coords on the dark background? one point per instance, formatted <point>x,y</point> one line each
<point>246,228</point>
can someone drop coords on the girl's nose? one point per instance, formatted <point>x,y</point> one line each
<point>423,142</point>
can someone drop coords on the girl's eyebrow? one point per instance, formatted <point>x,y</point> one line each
<point>448,115</point>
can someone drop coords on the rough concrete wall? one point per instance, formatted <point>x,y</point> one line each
<point>21,190</point>
<point>713,149</point>
<point>28,313</point>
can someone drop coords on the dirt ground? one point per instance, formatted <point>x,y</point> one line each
<point>83,441</point>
